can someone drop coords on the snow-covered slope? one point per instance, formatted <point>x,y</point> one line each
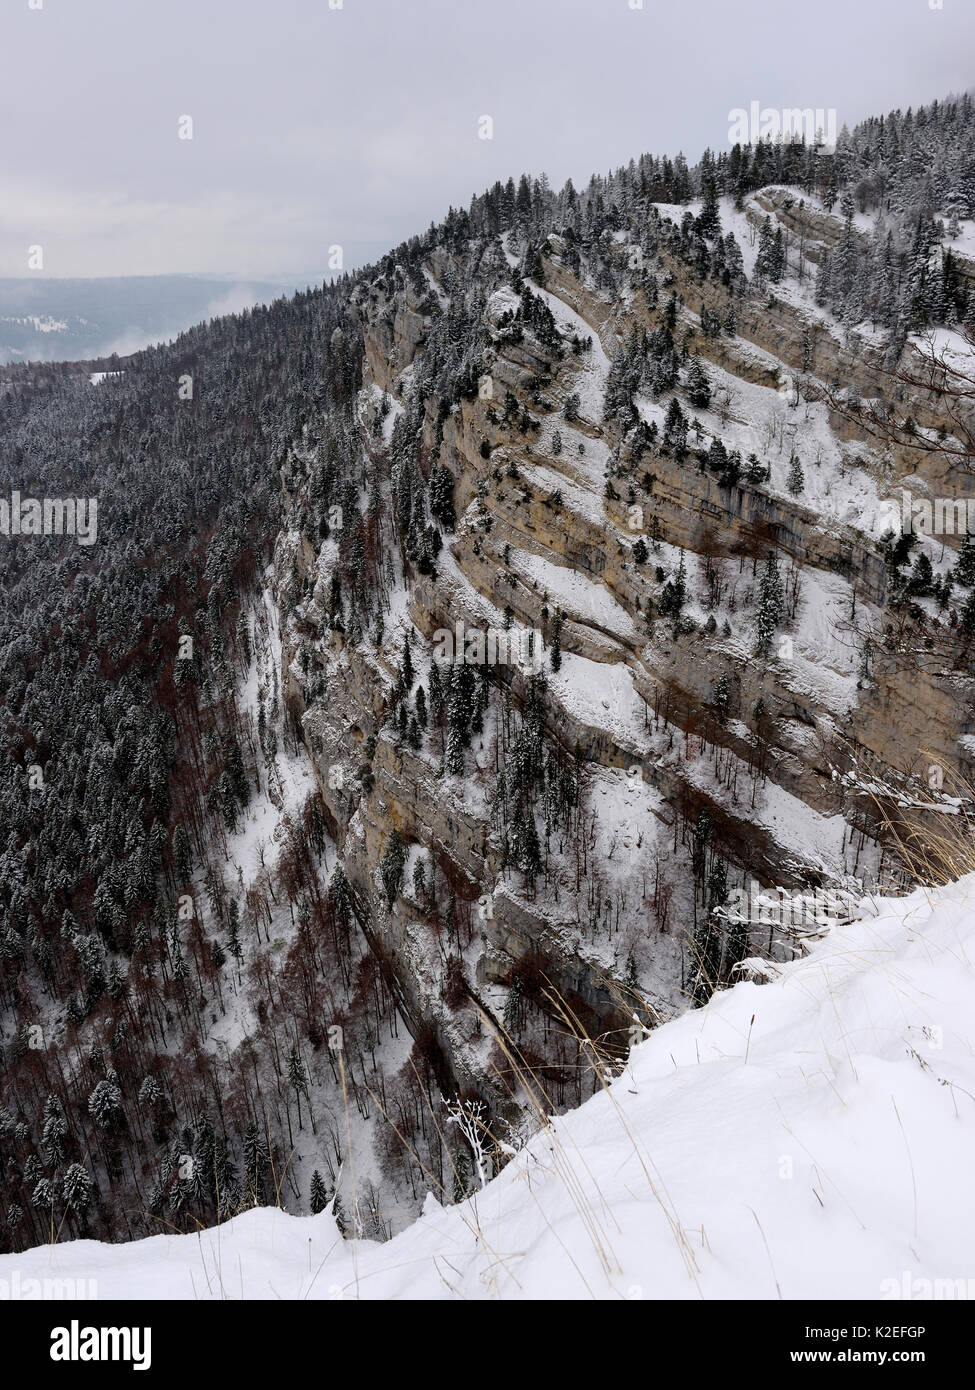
<point>812,1137</point>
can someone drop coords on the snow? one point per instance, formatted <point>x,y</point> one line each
<point>581,500</point>
<point>435,287</point>
<point>290,777</point>
<point>575,593</point>
<point>754,419</point>
<point>810,1137</point>
<point>590,381</point>
<point>602,695</point>
<point>375,398</point>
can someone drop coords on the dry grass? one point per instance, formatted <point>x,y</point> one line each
<point>934,842</point>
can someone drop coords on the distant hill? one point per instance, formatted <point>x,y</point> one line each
<point>50,320</point>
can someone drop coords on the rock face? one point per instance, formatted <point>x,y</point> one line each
<point>689,752</point>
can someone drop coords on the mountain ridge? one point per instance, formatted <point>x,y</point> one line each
<point>621,424</point>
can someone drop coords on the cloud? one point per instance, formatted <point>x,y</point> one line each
<point>315,126</point>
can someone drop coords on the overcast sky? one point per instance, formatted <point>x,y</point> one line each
<point>358,126</point>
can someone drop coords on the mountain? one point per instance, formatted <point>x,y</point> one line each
<point>481,661</point>
<point>48,320</point>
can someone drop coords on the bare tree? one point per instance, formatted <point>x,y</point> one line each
<point>946,378</point>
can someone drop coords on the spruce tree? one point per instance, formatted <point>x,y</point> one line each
<point>320,1196</point>
<point>391,867</point>
<point>964,571</point>
<point>297,1077</point>
<point>698,385</point>
<point>770,605</point>
<point>555,643</point>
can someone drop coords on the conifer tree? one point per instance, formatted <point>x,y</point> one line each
<point>297,1077</point>
<point>320,1196</point>
<point>770,605</point>
<point>555,642</point>
<point>964,571</point>
<point>391,867</point>
<point>698,385</point>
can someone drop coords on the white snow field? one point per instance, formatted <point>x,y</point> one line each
<point>811,1137</point>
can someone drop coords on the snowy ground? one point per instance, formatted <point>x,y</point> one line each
<point>813,1137</point>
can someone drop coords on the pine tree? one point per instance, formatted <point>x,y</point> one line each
<point>297,1077</point>
<point>442,496</point>
<point>708,936</point>
<point>922,576</point>
<point>181,854</point>
<point>823,292</point>
<point>968,615</point>
<point>437,703</point>
<point>391,867</point>
<point>770,605</point>
<point>55,1131</point>
<point>233,931</point>
<point>674,593</point>
<point>844,264</point>
<point>765,258</point>
<point>707,958</point>
<point>514,1007</point>
<point>964,571</point>
<point>675,428</point>
<point>698,385</point>
<point>105,1105</point>
<point>796,480</point>
<point>525,844</point>
<point>150,1094</point>
<point>256,1161</point>
<point>340,895</point>
<point>320,1196</point>
<point>737,944</point>
<point>709,218</point>
<point>717,456</point>
<point>42,1196</point>
<point>630,979</point>
<point>555,643</point>
<point>453,758</point>
<point>77,1187</point>
<point>777,262</point>
<point>721,694</point>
